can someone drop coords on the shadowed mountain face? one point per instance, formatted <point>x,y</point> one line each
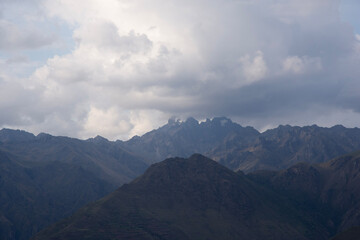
<point>244,148</point>
<point>45,178</point>
<point>197,198</point>
<point>36,194</point>
<point>331,188</point>
<point>350,234</point>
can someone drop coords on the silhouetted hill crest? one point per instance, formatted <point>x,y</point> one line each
<point>98,139</point>
<point>194,198</point>
<point>176,171</point>
<point>10,135</point>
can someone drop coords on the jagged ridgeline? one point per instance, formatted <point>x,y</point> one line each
<point>244,148</point>
<point>45,178</point>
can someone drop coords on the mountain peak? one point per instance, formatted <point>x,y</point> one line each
<point>177,163</point>
<point>220,122</point>
<point>187,199</point>
<point>98,139</point>
<point>44,136</point>
<point>191,121</point>
<point>10,135</point>
<point>338,127</point>
<point>174,121</point>
<point>184,174</point>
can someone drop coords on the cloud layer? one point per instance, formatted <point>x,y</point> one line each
<point>136,63</point>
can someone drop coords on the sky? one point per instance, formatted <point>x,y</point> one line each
<point>119,68</point>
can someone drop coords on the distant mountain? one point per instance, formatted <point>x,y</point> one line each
<point>193,198</point>
<point>9,135</point>
<point>284,146</point>
<point>107,165</point>
<point>182,139</point>
<point>45,178</point>
<point>244,148</point>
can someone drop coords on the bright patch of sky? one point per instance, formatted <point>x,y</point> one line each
<point>350,12</point>
<point>31,37</point>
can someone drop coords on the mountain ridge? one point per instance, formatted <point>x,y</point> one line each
<point>194,198</point>
<point>51,177</point>
<point>118,162</point>
<point>244,148</point>
<point>191,197</point>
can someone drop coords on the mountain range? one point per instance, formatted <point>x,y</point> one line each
<point>244,148</point>
<point>197,198</point>
<point>45,178</point>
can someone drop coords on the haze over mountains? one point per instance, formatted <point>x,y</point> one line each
<point>45,178</point>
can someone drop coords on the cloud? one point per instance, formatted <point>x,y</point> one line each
<point>105,36</point>
<point>253,69</point>
<point>17,59</point>
<point>16,103</point>
<point>136,63</point>
<point>106,122</point>
<point>301,65</point>
<point>15,38</point>
<point>22,26</point>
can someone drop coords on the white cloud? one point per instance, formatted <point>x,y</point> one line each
<point>254,68</point>
<point>14,38</point>
<point>137,62</point>
<point>301,65</point>
<point>143,120</point>
<point>105,37</point>
<point>109,122</point>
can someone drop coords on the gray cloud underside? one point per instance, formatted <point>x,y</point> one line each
<point>136,64</point>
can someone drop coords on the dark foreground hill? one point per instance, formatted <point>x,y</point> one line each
<point>45,178</point>
<point>197,198</point>
<point>331,190</point>
<point>350,234</point>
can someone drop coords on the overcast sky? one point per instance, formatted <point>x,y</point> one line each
<point>117,68</point>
